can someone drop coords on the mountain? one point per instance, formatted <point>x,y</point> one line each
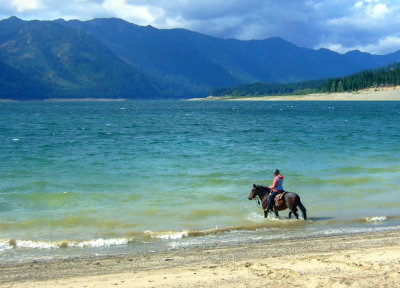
<point>369,61</point>
<point>184,63</point>
<point>62,62</point>
<point>193,63</point>
<point>114,58</point>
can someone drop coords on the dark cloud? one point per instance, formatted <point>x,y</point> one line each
<point>341,25</point>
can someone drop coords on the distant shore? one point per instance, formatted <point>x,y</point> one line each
<point>7,100</point>
<point>358,260</point>
<point>371,94</point>
<point>82,100</point>
<point>71,100</point>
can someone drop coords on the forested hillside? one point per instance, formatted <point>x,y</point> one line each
<point>47,60</point>
<point>387,76</point>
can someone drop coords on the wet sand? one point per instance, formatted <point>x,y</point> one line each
<point>361,260</point>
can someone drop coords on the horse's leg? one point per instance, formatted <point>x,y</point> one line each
<point>276,213</point>
<point>292,208</point>
<point>265,213</point>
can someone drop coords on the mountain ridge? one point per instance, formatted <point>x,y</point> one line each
<point>226,62</point>
<point>118,57</point>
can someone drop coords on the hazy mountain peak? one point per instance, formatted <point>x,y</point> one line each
<point>13,19</point>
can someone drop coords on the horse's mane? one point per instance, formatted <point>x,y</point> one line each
<point>263,188</point>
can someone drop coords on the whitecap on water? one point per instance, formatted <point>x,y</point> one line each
<point>169,235</point>
<point>35,244</point>
<point>101,243</point>
<point>94,243</point>
<point>5,245</point>
<point>376,219</point>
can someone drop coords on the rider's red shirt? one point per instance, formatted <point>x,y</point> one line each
<point>278,183</point>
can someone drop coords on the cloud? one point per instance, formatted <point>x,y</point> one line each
<point>384,45</point>
<point>341,25</point>
<point>139,14</point>
<point>378,11</point>
<point>359,4</point>
<point>367,26</point>
<point>26,5</point>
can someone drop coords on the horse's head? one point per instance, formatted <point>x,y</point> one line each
<point>259,191</point>
<point>254,192</point>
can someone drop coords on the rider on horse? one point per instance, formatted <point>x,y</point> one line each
<point>276,188</point>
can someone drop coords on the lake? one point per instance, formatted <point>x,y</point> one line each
<point>97,178</point>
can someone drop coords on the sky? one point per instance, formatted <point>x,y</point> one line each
<point>340,25</point>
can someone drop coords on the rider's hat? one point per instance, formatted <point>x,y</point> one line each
<point>276,171</point>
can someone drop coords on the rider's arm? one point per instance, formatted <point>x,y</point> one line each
<point>273,186</point>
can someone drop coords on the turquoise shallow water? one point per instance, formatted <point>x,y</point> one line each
<point>106,177</point>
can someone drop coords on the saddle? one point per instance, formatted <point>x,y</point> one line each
<point>279,198</point>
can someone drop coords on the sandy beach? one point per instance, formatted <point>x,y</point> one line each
<point>361,260</point>
<point>371,94</point>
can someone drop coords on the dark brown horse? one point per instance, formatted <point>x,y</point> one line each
<point>288,200</point>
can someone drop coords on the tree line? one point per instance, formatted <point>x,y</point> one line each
<point>387,76</point>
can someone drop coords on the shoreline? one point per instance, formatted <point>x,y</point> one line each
<point>371,94</point>
<point>357,260</point>
<point>83,100</point>
<point>66,100</point>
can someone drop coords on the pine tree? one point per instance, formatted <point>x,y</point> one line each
<point>340,87</point>
<point>333,87</point>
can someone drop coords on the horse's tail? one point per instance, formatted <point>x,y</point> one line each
<point>302,208</point>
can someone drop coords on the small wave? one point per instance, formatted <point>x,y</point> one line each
<point>96,243</point>
<point>376,219</point>
<point>372,219</point>
<point>5,245</point>
<point>169,235</point>
<point>34,244</point>
<point>175,235</point>
<point>41,245</point>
